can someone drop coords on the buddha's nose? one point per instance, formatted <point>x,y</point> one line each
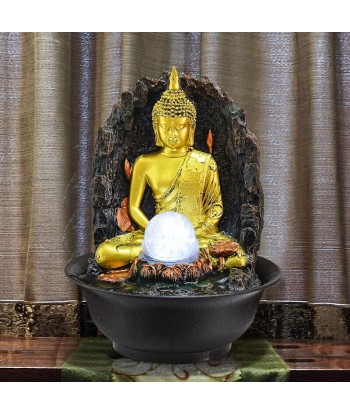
<point>172,133</point>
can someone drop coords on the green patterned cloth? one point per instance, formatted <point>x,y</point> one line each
<point>250,360</point>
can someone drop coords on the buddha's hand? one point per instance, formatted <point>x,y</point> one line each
<point>204,228</point>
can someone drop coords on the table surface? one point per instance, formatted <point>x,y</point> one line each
<point>41,359</point>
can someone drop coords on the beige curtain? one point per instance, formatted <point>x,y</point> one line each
<point>56,89</point>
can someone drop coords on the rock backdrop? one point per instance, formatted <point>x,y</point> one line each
<point>128,133</point>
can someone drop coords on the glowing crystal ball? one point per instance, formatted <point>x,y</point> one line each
<point>170,239</point>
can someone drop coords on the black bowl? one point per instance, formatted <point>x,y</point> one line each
<point>173,329</point>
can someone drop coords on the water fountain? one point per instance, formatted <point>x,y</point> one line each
<point>180,287</point>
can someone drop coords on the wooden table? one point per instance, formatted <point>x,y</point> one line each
<point>41,359</point>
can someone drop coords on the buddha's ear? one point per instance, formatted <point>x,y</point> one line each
<point>191,136</point>
<point>156,134</point>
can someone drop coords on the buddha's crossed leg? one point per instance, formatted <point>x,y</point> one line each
<point>120,250</point>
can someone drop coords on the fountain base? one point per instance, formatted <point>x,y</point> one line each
<point>173,358</point>
<point>172,329</point>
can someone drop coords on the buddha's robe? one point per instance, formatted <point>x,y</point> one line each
<point>195,193</point>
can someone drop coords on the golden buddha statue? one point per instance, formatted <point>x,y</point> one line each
<point>182,180</point>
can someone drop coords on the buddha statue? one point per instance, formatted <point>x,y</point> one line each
<point>182,179</point>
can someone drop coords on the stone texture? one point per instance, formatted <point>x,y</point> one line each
<point>301,321</point>
<point>39,320</point>
<point>55,320</point>
<point>14,320</point>
<point>330,323</point>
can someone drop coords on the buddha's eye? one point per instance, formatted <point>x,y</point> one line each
<point>167,127</point>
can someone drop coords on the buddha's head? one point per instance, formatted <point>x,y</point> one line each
<point>174,116</point>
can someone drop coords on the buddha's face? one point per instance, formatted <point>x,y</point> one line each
<point>174,133</point>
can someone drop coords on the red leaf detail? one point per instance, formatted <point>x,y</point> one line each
<point>210,141</point>
<point>127,169</point>
<point>123,218</point>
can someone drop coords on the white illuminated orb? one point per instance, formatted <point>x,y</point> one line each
<point>170,239</point>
